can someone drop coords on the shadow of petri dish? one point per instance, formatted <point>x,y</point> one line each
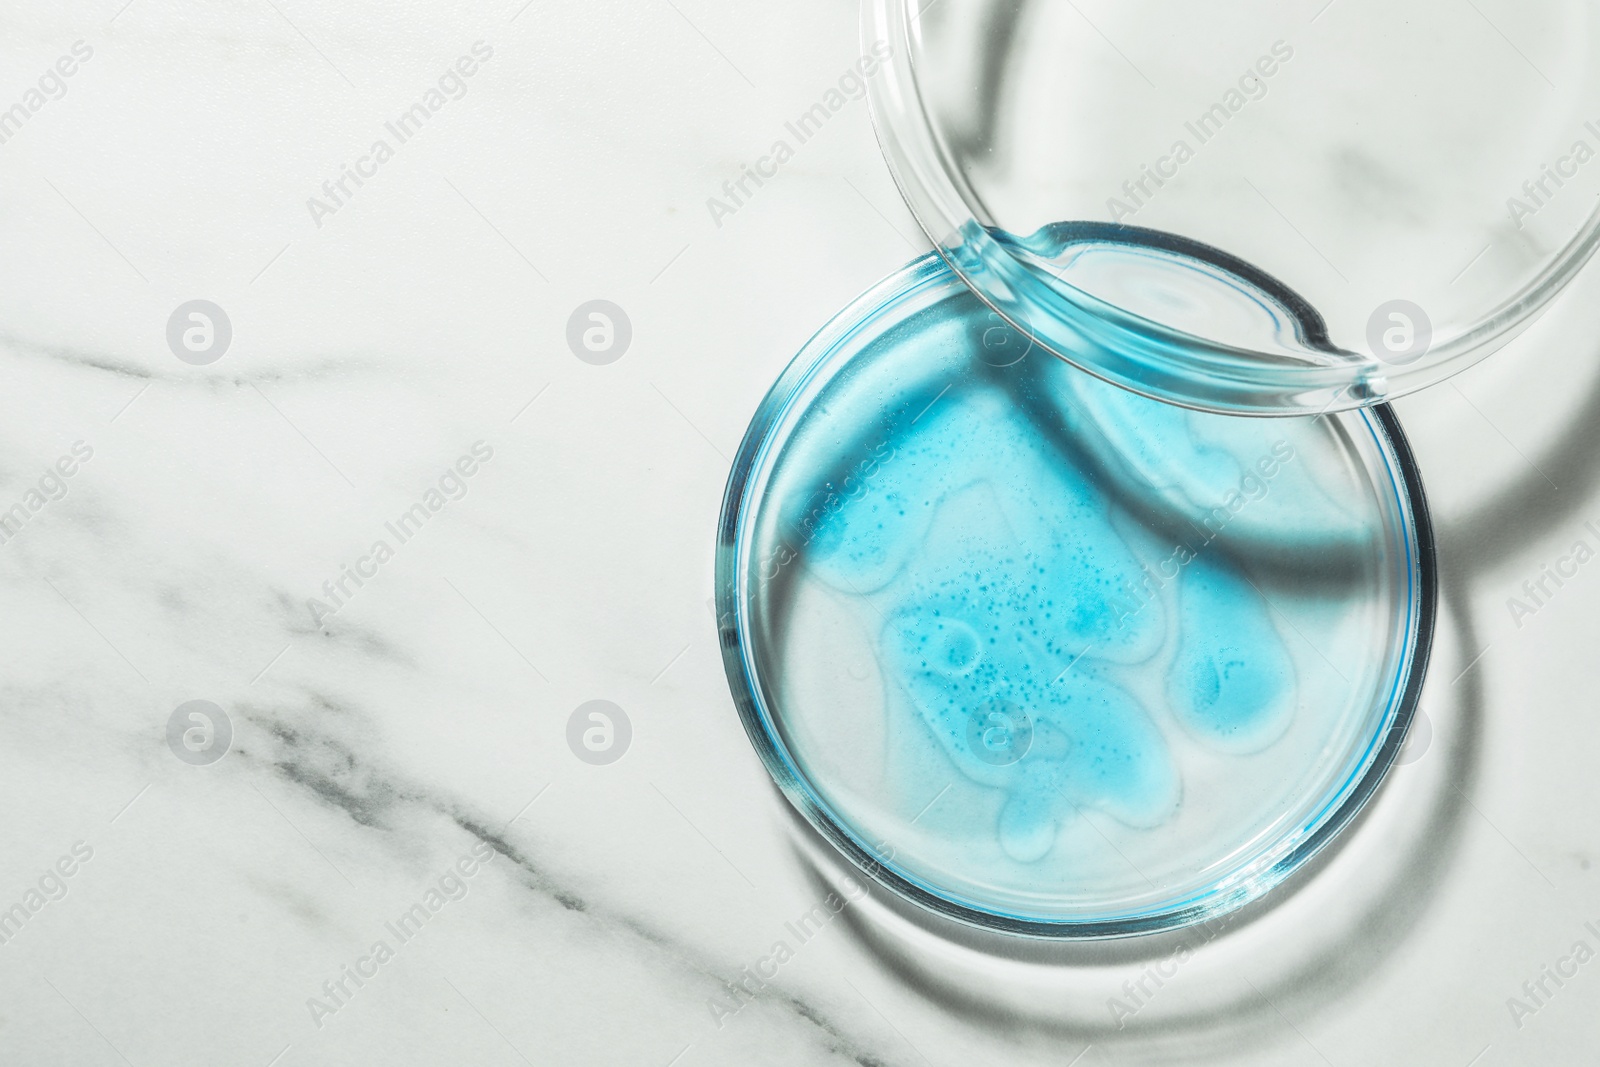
<point>1048,658</point>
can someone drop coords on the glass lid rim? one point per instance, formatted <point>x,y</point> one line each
<point>1243,885</point>
<point>1084,330</point>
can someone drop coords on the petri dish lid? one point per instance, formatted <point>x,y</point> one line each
<point>1423,174</point>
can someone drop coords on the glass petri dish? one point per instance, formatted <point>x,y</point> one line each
<point>1423,173</point>
<point>1053,658</point>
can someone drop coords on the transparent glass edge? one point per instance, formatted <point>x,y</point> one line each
<point>1091,335</point>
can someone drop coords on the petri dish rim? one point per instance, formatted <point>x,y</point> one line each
<point>1235,888</point>
<point>1117,345</point>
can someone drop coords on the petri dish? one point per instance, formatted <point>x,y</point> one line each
<point>1424,174</point>
<point>1053,658</point>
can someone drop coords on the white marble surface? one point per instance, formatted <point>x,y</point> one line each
<point>429,713</point>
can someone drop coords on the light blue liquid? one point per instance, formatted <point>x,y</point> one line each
<point>1017,592</point>
<point>1050,644</point>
